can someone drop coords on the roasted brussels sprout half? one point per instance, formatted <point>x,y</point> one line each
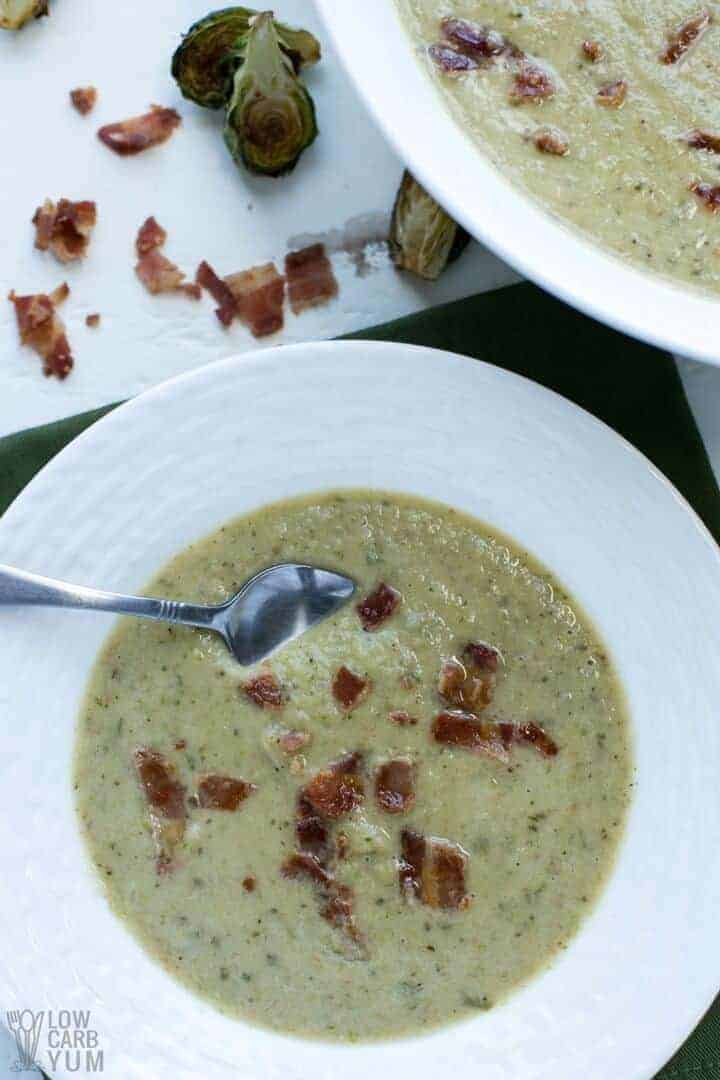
<point>270,118</point>
<point>15,13</point>
<point>211,52</point>
<point>423,237</point>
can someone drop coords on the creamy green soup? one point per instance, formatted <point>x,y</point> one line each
<point>631,121</point>
<point>393,822</point>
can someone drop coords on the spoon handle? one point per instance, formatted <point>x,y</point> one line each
<point>18,587</point>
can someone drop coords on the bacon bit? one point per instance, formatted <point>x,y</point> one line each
<point>139,133</point>
<point>349,689</point>
<point>342,846</point>
<point>181,744</point>
<point>450,61</point>
<point>403,719</point>
<point>310,278</point>
<point>551,141</point>
<point>259,295</point>
<point>481,657</point>
<point>395,786</point>
<point>337,898</point>
<point>463,688</point>
<point>218,289</point>
<point>378,606</point>
<point>686,36</point>
<point>93,320</point>
<point>457,728</point>
<point>311,832</point>
<point>472,39</point>
<point>64,228</point>
<point>337,790</point>
<point>42,329</point>
<point>84,99</point>
<point>165,796</point>
<point>703,140</point>
<point>593,50</point>
<point>294,740</point>
<point>432,871</point>
<point>613,95</point>
<point>265,691</point>
<point>249,883</point>
<point>708,194</point>
<point>531,84</point>
<point>223,792</point>
<point>150,236</point>
<point>533,734</point>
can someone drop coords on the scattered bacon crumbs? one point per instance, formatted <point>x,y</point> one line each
<point>531,85</point>
<point>259,295</point>
<point>432,870</point>
<point>223,792</point>
<point>150,236</point>
<point>265,691</point>
<point>65,228</point>
<point>395,786</point>
<point>157,273</point>
<point>703,140</point>
<point>378,606</point>
<point>403,719</point>
<point>337,790</point>
<point>165,796</point>
<point>551,141</point>
<point>450,61</point>
<point>349,689</point>
<point>464,729</point>
<point>84,99</point>
<point>686,36</point>
<point>139,133</point>
<point>593,51</point>
<point>535,736</point>
<point>208,279</point>
<point>613,95</point>
<point>249,883</point>
<point>93,320</point>
<point>336,898</point>
<point>708,194</point>
<point>42,329</point>
<point>310,278</point>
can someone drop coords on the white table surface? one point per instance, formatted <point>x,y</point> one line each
<point>343,189</point>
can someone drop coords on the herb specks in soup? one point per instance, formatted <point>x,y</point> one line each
<point>392,823</point>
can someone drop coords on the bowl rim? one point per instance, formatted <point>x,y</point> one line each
<point>410,112</point>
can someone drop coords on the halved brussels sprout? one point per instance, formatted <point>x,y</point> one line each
<point>270,118</point>
<point>15,13</point>
<point>423,237</point>
<point>210,53</point>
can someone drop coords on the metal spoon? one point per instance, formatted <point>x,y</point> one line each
<point>273,607</point>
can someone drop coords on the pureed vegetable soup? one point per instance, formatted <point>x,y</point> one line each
<point>393,822</point>
<point>608,113</point>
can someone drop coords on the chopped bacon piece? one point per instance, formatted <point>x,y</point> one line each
<point>533,734</point>
<point>403,719</point>
<point>481,657</point>
<point>42,329</point>
<point>349,689</point>
<point>531,84</point>
<point>378,606</point>
<point>395,786</point>
<point>593,50</point>
<point>337,790</point>
<point>703,140</point>
<point>259,295</point>
<point>165,796</point>
<point>65,228</point>
<point>432,870</point>
<point>223,792</point>
<point>686,36</point>
<point>311,831</point>
<point>473,39</point>
<point>265,691</point>
<point>457,728</point>
<point>83,99</point>
<point>613,95</point>
<point>336,897</point>
<point>218,289</point>
<point>150,236</point>
<point>158,274</point>
<point>551,141</point>
<point>93,320</point>
<point>310,278</point>
<point>249,883</point>
<point>461,686</point>
<point>450,61</point>
<point>708,194</point>
<point>140,132</point>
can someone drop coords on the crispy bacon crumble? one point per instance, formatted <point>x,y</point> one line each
<point>265,691</point>
<point>395,786</point>
<point>65,228</point>
<point>157,273</point>
<point>432,870</point>
<point>139,133</point>
<point>612,96</point>
<point>150,236</point>
<point>93,320</point>
<point>218,289</point>
<point>310,278</point>
<point>259,295</point>
<point>402,719</point>
<point>472,39</point>
<point>336,898</point>
<point>165,796</point>
<point>217,792</point>
<point>531,84</point>
<point>337,790</point>
<point>41,328</point>
<point>378,606</point>
<point>450,61</point>
<point>349,689</point>
<point>551,141</point>
<point>593,51</point>
<point>83,99</point>
<point>686,36</point>
<point>249,883</point>
<point>457,728</point>
<point>702,140</point>
<point>708,194</point>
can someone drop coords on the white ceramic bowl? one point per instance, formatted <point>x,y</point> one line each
<point>379,56</point>
<point>173,464</point>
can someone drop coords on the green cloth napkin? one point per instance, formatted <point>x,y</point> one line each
<point>632,387</point>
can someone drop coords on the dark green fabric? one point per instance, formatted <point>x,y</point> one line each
<point>632,387</point>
